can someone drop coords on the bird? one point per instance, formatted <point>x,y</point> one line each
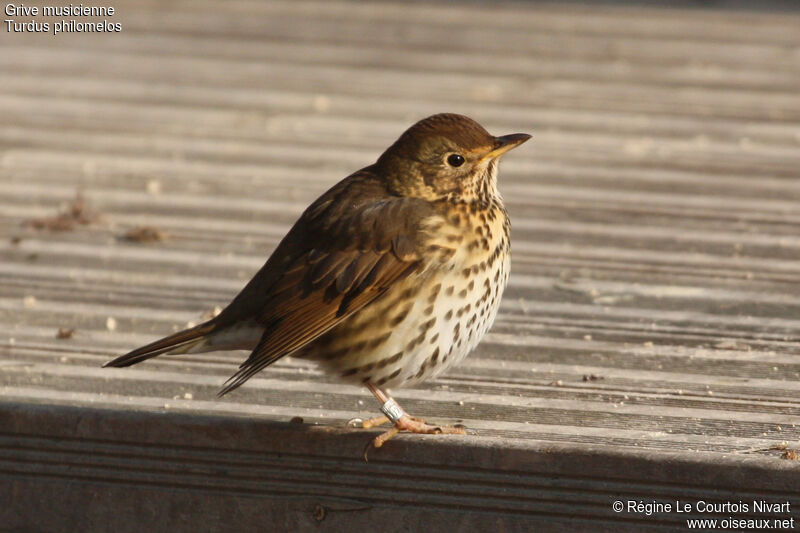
<point>389,278</point>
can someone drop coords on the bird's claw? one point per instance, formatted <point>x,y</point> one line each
<point>355,423</point>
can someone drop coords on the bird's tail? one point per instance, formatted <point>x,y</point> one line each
<point>184,341</point>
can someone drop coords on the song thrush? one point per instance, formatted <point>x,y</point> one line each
<point>389,278</point>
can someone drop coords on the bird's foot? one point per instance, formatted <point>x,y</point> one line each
<point>412,425</point>
<point>375,422</point>
<point>402,422</point>
<point>415,425</point>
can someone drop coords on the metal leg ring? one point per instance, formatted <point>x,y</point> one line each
<point>392,410</point>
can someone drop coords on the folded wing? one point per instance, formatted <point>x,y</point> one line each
<point>344,252</point>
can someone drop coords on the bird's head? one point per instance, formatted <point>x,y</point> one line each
<point>446,155</point>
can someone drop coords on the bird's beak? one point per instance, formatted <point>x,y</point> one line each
<point>504,144</point>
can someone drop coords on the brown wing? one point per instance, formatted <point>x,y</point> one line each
<point>346,250</point>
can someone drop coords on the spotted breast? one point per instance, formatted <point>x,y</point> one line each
<point>435,318</point>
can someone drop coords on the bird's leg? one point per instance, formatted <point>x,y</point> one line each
<point>402,421</point>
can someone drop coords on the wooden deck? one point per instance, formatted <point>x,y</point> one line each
<point>647,348</point>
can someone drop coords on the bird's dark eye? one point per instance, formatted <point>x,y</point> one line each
<point>455,160</point>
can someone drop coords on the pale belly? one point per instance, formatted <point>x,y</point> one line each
<point>418,329</point>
